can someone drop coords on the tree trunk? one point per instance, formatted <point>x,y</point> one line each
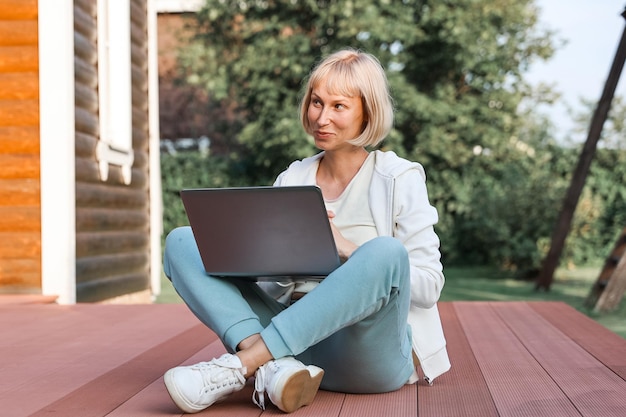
<point>544,280</point>
<point>615,286</point>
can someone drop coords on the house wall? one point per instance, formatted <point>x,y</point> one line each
<point>20,226</point>
<point>112,219</point>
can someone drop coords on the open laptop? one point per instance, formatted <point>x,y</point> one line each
<point>262,233</point>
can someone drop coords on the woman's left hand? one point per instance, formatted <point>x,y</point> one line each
<point>345,247</point>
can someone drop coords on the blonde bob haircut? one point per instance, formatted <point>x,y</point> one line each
<point>353,73</point>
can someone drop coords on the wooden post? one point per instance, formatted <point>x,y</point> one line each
<point>609,288</point>
<point>606,273</point>
<point>614,291</point>
<point>561,230</point>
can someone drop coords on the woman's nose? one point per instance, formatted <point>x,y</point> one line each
<point>323,117</point>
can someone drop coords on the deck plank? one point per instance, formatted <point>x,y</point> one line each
<point>400,403</point>
<point>521,359</point>
<point>589,385</point>
<point>608,347</point>
<point>42,351</point>
<point>517,382</point>
<point>76,345</point>
<point>105,393</point>
<point>451,395</point>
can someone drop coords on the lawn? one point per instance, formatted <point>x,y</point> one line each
<point>483,284</point>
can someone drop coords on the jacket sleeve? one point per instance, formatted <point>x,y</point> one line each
<point>414,220</point>
<point>280,179</point>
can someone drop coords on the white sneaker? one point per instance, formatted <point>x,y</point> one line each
<point>194,388</point>
<point>288,382</point>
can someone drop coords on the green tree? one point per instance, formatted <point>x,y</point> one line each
<point>455,67</point>
<point>601,212</point>
<point>508,213</point>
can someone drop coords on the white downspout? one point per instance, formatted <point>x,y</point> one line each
<point>57,156</point>
<point>156,200</point>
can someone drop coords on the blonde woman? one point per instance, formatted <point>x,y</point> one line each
<point>366,326</point>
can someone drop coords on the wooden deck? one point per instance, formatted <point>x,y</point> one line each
<point>509,359</point>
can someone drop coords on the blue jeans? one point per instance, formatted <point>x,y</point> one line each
<point>353,324</point>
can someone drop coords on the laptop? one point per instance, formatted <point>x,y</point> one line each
<point>262,233</point>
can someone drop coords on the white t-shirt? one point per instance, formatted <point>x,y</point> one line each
<point>353,216</point>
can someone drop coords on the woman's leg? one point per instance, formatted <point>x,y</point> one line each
<point>354,324</point>
<point>237,312</point>
<point>234,310</point>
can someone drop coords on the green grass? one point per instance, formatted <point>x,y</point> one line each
<point>484,284</point>
<point>168,293</point>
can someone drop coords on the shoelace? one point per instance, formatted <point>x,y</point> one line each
<point>259,388</point>
<point>212,380</point>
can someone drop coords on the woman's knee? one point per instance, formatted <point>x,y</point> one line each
<point>178,234</point>
<point>176,237</point>
<point>391,246</point>
<point>385,257</point>
<point>387,248</point>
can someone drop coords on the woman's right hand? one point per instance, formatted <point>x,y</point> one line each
<point>345,247</point>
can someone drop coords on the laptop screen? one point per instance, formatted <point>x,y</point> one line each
<point>262,232</point>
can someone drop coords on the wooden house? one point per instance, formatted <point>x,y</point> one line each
<point>80,203</point>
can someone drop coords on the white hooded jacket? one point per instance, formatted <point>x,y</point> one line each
<point>400,207</point>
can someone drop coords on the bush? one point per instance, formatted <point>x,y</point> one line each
<point>508,217</point>
<point>193,170</point>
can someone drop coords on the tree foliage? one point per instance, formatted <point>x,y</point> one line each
<point>601,212</point>
<point>456,69</point>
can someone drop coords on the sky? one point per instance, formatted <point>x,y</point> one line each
<point>592,30</point>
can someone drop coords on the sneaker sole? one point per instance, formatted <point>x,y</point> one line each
<point>178,399</point>
<point>299,389</point>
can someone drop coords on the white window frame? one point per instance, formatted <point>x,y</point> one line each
<point>115,146</point>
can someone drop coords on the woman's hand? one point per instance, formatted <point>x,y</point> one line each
<point>345,247</point>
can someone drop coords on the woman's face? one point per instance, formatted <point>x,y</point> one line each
<point>334,119</point>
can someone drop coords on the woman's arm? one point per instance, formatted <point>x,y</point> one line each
<point>414,220</point>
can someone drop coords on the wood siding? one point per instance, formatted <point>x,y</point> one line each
<point>20,224</point>
<point>112,219</point>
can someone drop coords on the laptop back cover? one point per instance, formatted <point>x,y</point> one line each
<point>262,232</point>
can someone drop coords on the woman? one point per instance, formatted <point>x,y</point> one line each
<point>362,327</point>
